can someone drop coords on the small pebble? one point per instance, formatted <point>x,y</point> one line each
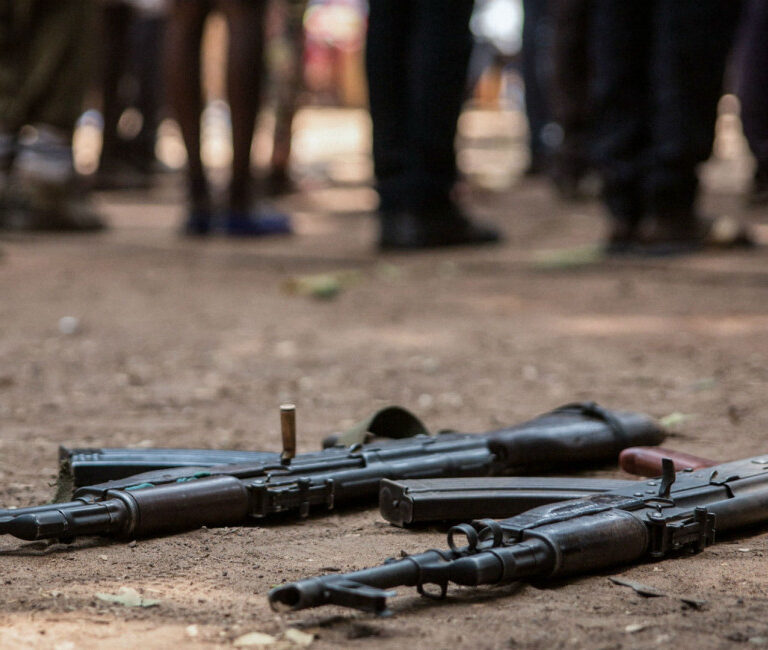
<point>69,325</point>
<point>425,401</point>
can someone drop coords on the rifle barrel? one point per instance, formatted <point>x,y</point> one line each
<point>182,499</point>
<point>646,519</point>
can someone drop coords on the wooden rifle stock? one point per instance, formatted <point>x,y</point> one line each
<point>646,461</point>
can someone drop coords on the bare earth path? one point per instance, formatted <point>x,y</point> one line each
<point>196,344</point>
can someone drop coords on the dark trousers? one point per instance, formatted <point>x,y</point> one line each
<point>753,80</point>
<point>132,48</point>
<point>416,60</point>
<point>571,75</point>
<point>658,75</point>
<point>537,75</point>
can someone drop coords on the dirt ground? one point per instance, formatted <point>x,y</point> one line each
<point>186,343</point>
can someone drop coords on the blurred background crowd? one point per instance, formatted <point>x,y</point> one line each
<point>621,101</point>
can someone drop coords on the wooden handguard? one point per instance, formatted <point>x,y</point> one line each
<point>646,461</point>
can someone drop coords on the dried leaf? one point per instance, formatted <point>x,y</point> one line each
<point>128,597</point>
<point>643,590</point>
<point>254,639</point>
<point>298,638</point>
<point>653,592</point>
<point>634,627</point>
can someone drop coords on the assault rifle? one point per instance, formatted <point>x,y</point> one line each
<point>185,498</point>
<point>425,501</point>
<point>89,465</point>
<point>675,513</point>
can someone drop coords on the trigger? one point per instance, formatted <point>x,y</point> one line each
<point>667,477</point>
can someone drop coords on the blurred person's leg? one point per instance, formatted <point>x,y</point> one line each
<point>12,55</point>
<point>536,68</point>
<point>416,59</point>
<point>53,44</point>
<point>51,59</point>
<point>571,101</point>
<point>183,67</point>
<point>621,34</point>
<point>691,44</point>
<point>116,20</point>
<point>440,48</point>
<point>753,92</point>
<point>387,57</point>
<point>289,91</point>
<point>245,70</point>
<point>146,50</point>
<point>116,169</point>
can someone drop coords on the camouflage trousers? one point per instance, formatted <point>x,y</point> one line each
<point>46,57</point>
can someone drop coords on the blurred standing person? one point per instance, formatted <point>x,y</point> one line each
<point>537,76</point>
<point>133,32</point>
<point>571,101</point>
<point>659,67</point>
<point>753,92</point>
<point>289,84</point>
<point>45,64</point>
<point>245,68</point>
<point>416,60</point>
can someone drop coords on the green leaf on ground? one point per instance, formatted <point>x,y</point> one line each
<point>707,383</point>
<point>566,258</point>
<point>323,286</point>
<point>674,419</point>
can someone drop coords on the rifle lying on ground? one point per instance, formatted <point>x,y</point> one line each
<point>652,520</point>
<point>86,466</point>
<point>90,465</point>
<point>425,501</point>
<point>186,498</point>
<point>417,502</point>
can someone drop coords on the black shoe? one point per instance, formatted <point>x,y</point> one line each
<point>689,232</point>
<point>408,230</point>
<point>538,165</point>
<point>758,193</point>
<point>278,183</point>
<point>198,223</point>
<point>680,234</point>
<point>44,207</point>
<point>622,237</point>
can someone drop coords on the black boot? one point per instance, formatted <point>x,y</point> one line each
<point>431,228</point>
